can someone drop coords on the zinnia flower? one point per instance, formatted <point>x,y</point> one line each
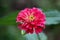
<point>31,20</point>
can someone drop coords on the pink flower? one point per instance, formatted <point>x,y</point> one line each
<point>31,20</point>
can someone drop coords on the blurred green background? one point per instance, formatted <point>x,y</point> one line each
<point>9,10</point>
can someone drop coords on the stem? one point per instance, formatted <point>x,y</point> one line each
<point>38,37</point>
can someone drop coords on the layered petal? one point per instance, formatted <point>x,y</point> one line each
<point>31,20</point>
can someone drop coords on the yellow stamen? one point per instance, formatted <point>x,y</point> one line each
<point>31,17</point>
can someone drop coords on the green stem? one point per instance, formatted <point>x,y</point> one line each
<point>38,37</point>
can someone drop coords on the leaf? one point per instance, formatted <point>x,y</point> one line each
<point>9,19</point>
<point>52,13</point>
<point>43,36</point>
<point>31,36</point>
<point>52,20</point>
<point>52,17</point>
<point>34,36</point>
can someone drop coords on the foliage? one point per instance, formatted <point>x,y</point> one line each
<point>53,17</point>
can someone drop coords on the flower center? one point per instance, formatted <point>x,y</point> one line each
<point>31,17</point>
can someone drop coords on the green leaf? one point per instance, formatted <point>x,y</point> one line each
<point>9,19</point>
<point>34,36</point>
<point>43,36</point>
<point>52,13</point>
